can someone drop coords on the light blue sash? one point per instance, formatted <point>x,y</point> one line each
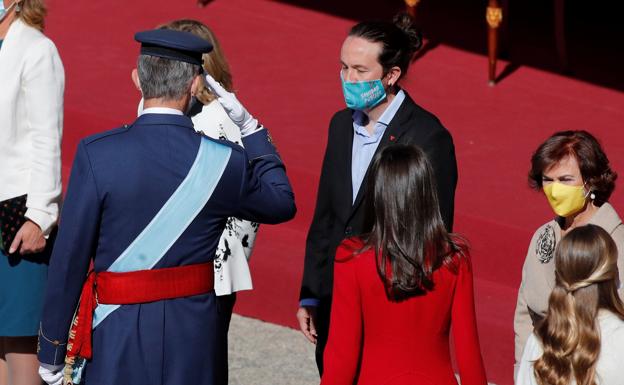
<point>173,218</point>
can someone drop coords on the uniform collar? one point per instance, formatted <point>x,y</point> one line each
<point>161,110</point>
<point>164,119</point>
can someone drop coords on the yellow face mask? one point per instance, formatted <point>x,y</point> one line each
<point>565,200</point>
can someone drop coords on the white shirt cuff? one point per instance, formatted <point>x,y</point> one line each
<point>42,219</point>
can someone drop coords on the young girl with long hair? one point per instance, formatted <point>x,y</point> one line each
<point>400,291</point>
<point>581,340</point>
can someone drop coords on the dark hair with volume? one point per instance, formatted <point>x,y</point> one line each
<point>591,158</point>
<point>400,40</point>
<point>408,234</point>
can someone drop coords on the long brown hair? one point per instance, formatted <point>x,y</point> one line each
<point>586,276</point>
<point>214,62</point>
<point>408,234</point>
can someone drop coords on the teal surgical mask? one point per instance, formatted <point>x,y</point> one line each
<point>363,95</point>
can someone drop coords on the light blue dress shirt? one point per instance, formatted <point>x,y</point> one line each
<point>364,147</point>
<point>365,144</point>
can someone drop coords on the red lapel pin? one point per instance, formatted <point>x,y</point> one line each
<point>392,138</point>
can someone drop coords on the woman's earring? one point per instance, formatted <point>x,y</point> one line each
<point>18,8</point>
<point>592,196</point>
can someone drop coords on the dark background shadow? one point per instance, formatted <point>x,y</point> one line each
<point>594,32</point>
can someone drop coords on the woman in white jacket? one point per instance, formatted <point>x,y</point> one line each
<point>209,117</point>
<point>581,339</point>
<point>31,119</point>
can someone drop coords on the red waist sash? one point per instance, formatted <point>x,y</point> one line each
<point>133,288</point>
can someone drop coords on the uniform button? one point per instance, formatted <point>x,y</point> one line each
<point>348,231</point>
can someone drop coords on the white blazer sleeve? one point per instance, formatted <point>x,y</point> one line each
<point>43,85</point>
<point>532,351</point>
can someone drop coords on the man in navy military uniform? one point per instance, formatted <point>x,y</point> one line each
<point>144,210</point>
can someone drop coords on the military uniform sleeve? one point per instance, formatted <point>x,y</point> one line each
<point>266,195</point>
<point>74,247</point>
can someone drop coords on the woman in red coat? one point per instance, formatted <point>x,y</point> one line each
<point>400,291</point>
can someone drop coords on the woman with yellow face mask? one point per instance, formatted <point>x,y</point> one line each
<point>573,172</point>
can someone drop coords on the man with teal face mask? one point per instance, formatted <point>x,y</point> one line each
<point>374,57</point>
<point>364,94</point>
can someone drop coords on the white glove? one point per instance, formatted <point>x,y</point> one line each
<point>52,375</point>
<point>235,110</point>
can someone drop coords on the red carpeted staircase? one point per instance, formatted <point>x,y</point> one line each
<point>285,62</point>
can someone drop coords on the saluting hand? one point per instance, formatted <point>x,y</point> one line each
<point>235,110</point>
<point>29,239</point>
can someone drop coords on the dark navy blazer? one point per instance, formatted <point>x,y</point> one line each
<point>119,181</point>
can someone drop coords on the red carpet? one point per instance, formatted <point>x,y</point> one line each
<point>285,64</point>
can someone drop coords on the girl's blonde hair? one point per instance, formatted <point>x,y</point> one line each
<point>32,12</point>
<point>214,62</point>
<point>586,281</point>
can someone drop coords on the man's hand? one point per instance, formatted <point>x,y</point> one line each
<point>29,239</point>
<point>306,316</point>
<point>235,110</point>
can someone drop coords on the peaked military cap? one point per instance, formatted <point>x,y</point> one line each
<point>174,45</point>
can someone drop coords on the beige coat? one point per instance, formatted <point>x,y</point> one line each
<point>538,273</point>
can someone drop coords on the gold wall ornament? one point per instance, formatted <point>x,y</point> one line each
<point>494,16</point>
